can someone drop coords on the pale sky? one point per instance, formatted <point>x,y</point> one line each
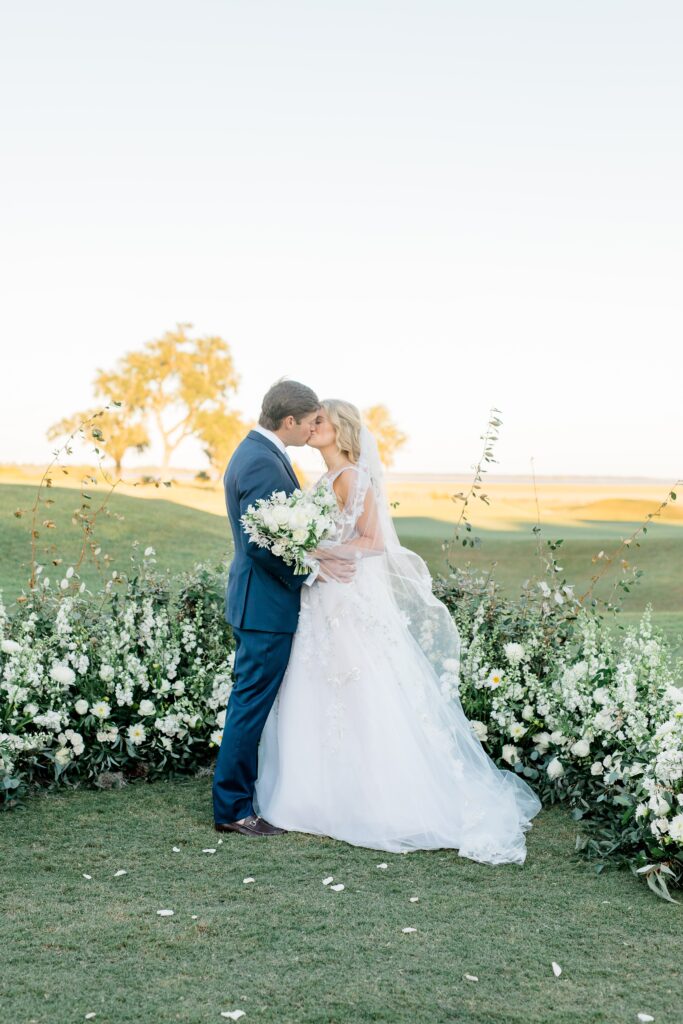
<point>442,206</point>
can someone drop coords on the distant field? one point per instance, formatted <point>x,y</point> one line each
<point>187,523</point>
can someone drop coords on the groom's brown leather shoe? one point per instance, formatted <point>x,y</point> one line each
<point>251,826</point>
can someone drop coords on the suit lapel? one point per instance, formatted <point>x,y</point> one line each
<point>255,436</point>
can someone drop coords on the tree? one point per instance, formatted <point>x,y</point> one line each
<point>178,383</point>
<point>220,431</point>
<point>389,438</point>
<point>112,430</point>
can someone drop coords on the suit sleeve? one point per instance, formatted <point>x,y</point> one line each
<point>260,485</point>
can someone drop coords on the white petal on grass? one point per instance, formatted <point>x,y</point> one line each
<point>176,849</point>
<point>471,977</point>
<point>408,930</point>
<point>557,970</point>
<point>165,913</point>
<point>90,1016</point>
<point>330,878</point>
<point>414,899</point>
<point>117,874</point>
<point>87,876</point>
<point>246,881</point>
<point>383,867</point>
<point>220,841</point>
<point>233,1014</point>
<point>209,849</point>
<point>337,888</point>
<point>644,1017</point>
<point>195,916</point>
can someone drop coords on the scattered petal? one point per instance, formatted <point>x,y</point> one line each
<point>330,878</point>
<point>233,1014</point>
<point>220,841</point>
<point>414,899</point>
<point>89,1016</point>
<point>407,930</point>
<point>471,977</point>
<point>245,881</point>
<point>645,1017</point>
<point>337,888</point>
<point>557,970</point>
<point>383,867</point>
<point>176,849</point>
<point>120,872</point>
<point>209,849</point>
<point>87,876</point>
<point>165,913</point>
<point>195,916</point>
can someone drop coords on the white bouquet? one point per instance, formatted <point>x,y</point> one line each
<point>292,526</point>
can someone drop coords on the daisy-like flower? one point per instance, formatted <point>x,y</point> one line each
<point>136,734</point>
<point>495,678</point>
<point>101,709</point>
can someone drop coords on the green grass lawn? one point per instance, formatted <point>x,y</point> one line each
<point>286,949</point>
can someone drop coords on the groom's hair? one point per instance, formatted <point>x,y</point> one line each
<point>287,398</point>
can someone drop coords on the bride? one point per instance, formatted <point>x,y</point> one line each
<point>367,741</point>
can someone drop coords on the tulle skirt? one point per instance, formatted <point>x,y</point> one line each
<point>362,746</point>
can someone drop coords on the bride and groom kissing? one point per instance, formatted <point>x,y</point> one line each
<point>344,718</point>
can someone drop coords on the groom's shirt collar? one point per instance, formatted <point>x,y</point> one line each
<point>277,441</point>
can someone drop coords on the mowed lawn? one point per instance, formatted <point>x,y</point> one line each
<point>284,948</point>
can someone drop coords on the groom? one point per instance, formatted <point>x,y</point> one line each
<point>262,602</point>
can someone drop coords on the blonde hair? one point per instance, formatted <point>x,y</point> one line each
<point>346,420</point>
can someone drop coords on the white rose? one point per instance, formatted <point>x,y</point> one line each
<point>10,647</point>
<point>676,828</point>
<point>281,515</point>
<point>106,673</point>
<point>596,768</point>
<point>555,769</point>
<point>510,754</point>
<point>147,707</point>
<point>479,730</point>
<point>278,548</point>
<point>63,755</point>
<point>581,748</point>
<point>81,707</point>
<point>299,536</point>
<point>270,522</point>
<point>63,674</point>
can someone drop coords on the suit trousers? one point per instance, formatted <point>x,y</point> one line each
<point>260,664</point>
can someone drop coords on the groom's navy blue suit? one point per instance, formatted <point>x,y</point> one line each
<point>262,606</point>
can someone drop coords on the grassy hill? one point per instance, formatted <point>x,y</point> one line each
<point>182,535</point>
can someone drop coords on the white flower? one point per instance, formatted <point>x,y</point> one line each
<point>10,647</point>
<point>479,730</point>
<point>517,730</point>
<point>527,712</point>
<point>555,769</point>
<point>100,709</point>
<point>63,674</point>
<point>63,755</point>
<point>659,827</point>
<point>601,695</point>
<point>597,768</point>
<point>514,653</point>
<point>107,673</point>
<point>495,678</point>
<point>676,828</point>
<point>581,748</point>
<point>31,710</point>
<point>149,552</point>
<point>510,754</point>
<point>658,805</point>
<point>81,707</point>
<point>216,737</point>
<point>544,588</point>
<point>147,707</point>
<point>542,741</point>
<point>641,811</point>
<point>136,734</point>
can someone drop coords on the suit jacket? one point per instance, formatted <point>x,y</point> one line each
<point>262,593</point>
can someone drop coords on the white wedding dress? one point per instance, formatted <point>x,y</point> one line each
<point>367,741</point>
